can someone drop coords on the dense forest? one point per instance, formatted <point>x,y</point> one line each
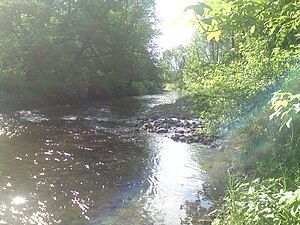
<point>64,51</point>
<point>242,73</point>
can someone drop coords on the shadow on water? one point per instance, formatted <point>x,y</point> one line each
<point>90,165</point>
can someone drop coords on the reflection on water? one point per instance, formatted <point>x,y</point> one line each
<point>89,165</point>
<point>176,179</point>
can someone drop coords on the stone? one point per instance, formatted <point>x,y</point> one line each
<point>175,137</point>
<point>213,145</point>
<point>186,123</point>
<point>161,130</point>
<point>146,126</point>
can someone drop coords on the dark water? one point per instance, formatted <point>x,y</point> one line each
<point>88,164</point>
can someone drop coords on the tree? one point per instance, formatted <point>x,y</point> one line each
<point>250,56</point>
<point>74,49</point>
<point>172,65</point>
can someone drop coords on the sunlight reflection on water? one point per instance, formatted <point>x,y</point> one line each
<point>18,200</point>
<point>81,165</point>
<point>176,179</point>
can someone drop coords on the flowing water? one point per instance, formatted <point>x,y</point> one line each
<point>89,164</point>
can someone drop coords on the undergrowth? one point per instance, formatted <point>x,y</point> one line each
<point>264,182</point>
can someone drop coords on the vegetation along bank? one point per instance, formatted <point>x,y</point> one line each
<point>242,73</point>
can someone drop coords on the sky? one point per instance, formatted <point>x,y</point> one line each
<point>175,23</point>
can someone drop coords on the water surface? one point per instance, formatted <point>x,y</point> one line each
<point>89,164</point>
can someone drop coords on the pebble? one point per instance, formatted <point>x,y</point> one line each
<point>182,130</point>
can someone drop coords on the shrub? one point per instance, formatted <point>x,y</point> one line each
<point>260,202</point>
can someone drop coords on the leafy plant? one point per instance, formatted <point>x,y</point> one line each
<point>259,202</point>
<point>286,106</point>
<point>241,58</point>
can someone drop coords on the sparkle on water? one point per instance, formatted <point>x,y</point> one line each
<point>90,165</point>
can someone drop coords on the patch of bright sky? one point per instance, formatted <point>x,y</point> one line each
<point>176,26</point>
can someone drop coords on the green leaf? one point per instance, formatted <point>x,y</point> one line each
<point>270,215</point>
<point>199,8</point>
<point>284,103</point>
<point>196,8</point>
<point>214,35</point>
<point>207,20</point>
<point>251,190</point>
<point>277,104</point>
<point>252,29</point>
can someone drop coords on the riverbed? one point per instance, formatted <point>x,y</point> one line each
<point>90,164</point>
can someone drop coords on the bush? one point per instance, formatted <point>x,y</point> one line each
<point>260,202</point>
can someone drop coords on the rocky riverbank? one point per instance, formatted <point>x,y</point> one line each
<point>177,121</point>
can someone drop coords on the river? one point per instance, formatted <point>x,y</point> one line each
<point>89,164</point>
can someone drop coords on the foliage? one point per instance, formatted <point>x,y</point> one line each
<point>260,202</point>
<point>286,105</point>
<point>268,150</point>
<point>171,66</point>
<point>70,50</point>
<point>250,49</point>
<point>242,56</point>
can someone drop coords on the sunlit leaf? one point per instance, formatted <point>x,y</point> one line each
<point>284,103</point>
<point>214,35</point>
<point>252,29</point>
<point>251,190</point>
<point>270,215</point>
<point>288,123</point>
<point>207,20</point>
<point>277,104</point>
<point>199,9</point>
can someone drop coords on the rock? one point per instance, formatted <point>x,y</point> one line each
<point>161,130</point>
<point>182,139</point>
<point>185,123</point>
<point>146,126</point>
<point>190,139</point>
<point>175,137</point>
<point>194,125</point>
<point>171,122</point>
<point>177,127</point>
<point>208,141</point>
<point>213,145</point>
<point>196,139</point>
